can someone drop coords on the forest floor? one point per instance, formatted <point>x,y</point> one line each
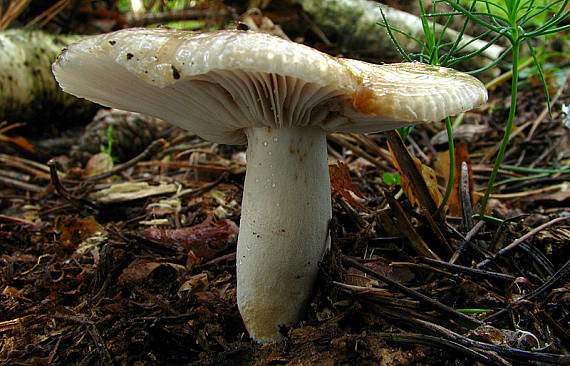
<point>137,266</point>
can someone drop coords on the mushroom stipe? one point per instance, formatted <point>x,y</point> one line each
<point>281,98</point>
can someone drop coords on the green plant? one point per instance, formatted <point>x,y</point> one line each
<point>434,51</point>
<point>510,20</point>
<point>517,21</point>
<point>391,178</point>
<point>110,140</point>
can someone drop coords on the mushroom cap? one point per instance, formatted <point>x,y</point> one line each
<point>216,84</point>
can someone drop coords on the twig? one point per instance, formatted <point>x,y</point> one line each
<point>490,349</point>
<point>465,195</point>
<point>411,172</point>
<point>315,28</point>
<point>152,149</point>
<point>100,344</point>
<point>77,202</point>
<point>470,271</point>
<point>445,246</point>
<point>561,275</point>
<point>545,111</point>
<point>414,338</point>
<point>556,187</point>
<point>465,319</point>
<point>48,14</point>
<point>501,350</point>
<point>20,185</point>
<point>465,243</point>
<point>28,166</point>
<point>354,216</point>
<point>231,257</point>
<point>15,8</point>
<point>520,240</point>
<point>408,230</point>
<point>534,123</point>
<point>341,140</point>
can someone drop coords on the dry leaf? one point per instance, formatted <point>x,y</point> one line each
<point>204,240</point>
<point>98,164</point>
<point>195,283</point>
<point>138,271</point>
<point>74,230</point>
<point>129,191</point>
<point>428,175</point>
<point>442,166</point>
<point>22,142</point>
<point>341,183</point>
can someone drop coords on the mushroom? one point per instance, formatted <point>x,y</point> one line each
<point>282,98</point>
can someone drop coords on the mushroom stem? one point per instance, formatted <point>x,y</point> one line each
<point>286,209</point>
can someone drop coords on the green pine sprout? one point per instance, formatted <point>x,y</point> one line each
<point>518,21</point>
<point>392,179</point>
<point>110,140</point>
<point>473,311</point>
<point>510,20</point>
<point>431,53</point>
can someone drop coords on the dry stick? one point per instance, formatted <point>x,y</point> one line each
<point>465,195</point>
<point>14,220</point>
<point>438,233</point>
<point>534,123</point>
<point>48,14</point>
<point>542,156</point>
<point>501,350</point>
<point>560,275</point>
<point>315,28</point>
<point>91,329</point>
<point>465,319</point>
<point>411,172</point>
<point>339,139</point>
<point>520,240</point>
<point>354,216</point>
<point>55,350</point>
<point>556,187</point>
<point>365,140</point>
<point>20,185</point>
<point>377,295</point>
<point>467,241</point>
<point>427,267</point>
<point>14,10</point>
<point>203,188</point>
<point>183,164</point>
<point>419,187</point>
<point>443,332</point>
<point>408,230</point>
<point>77,202</point>
<point>427,340</point>
<point>474,272</point>
<point>28,166</point>
<point>152,149</point>
<point>545,111</point>
<point>100,343</point>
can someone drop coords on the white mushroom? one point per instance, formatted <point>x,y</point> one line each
<point>282,98</point>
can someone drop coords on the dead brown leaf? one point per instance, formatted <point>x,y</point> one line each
<point>428,175</point>
<point>204,240</point>
<point>138,271</point>
<point>73,229</point>
<point>342,184</point>
<point>442,167</point>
